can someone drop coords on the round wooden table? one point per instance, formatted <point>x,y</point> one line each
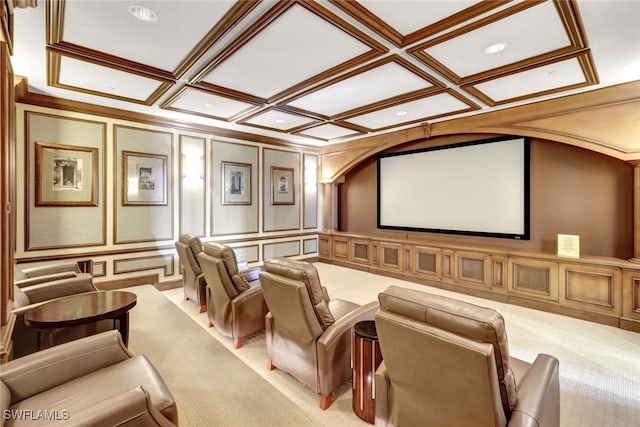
<point>81,309</point>
<point>365,358</point>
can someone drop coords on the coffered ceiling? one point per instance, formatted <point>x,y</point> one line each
<point>319,72</point>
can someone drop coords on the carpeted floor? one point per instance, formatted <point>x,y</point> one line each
<point>599,365</point>
<point>211,386</point>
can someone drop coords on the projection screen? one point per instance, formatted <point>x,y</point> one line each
<point>476,188</point>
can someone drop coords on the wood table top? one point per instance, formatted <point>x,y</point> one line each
<point>80,309</point>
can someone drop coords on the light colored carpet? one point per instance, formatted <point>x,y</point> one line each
<point>211,386</point>
<point>599,365</point>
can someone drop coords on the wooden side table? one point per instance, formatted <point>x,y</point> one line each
<point>81,309</point>
<point>365,359</point>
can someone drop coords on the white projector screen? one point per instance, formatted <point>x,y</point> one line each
<point>476,188</point>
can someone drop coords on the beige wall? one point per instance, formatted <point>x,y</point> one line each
<point>573,191</point>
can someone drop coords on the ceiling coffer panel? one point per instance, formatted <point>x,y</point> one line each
<point>293,45</point>
<point>377,84</point>
<point>501,43</point>
<point>195,101</point>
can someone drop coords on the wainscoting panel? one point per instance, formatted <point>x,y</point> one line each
<point>472,269</point>
<point>596,288</point>
<point>360,251</point>
<point>309,246</point>
<point>427,262</point>
<point>599,289</point>
<point>391,256</point>
<point>249,253</point>
<point>166,262</point>
<point>283,249</point>
<point>535,278</point>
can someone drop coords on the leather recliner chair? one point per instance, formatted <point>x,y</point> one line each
<point>93,381</point>
<point>25,338</point>
<point>235,304</point>
<point>446,363</point>
<point>193,282</point>
<point>308,334</point>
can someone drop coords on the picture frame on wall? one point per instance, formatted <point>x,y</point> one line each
<point>144,179</point>
<point>236,183</point>
<point>65,175</point>
<point>282,186</point>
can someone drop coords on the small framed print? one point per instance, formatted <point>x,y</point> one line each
<point>66,175</point>
<point>282,186</point>
<point>144,179</point>
<point>236,183</point>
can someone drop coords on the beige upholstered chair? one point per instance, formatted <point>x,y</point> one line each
<point>446,363</point>
<point>93,381</point>
<point>309,334</point>
<point>235,305</point>
<point>194,285</point>
<point>25,338</point>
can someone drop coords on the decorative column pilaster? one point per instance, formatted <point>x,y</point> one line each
<point>636,212</point>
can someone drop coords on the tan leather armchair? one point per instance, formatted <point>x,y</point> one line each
<point>94,381</point>
<point>235,304</point>
<point>25,338</point>
<point>193,282</point>
<point>308,334</point>
<point>447,363</point>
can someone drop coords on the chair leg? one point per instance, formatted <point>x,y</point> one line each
<point>270,365</point>
<point>325,401</point>
<point>237,342</point>
<point>203,308</point>
<point>210,324</point>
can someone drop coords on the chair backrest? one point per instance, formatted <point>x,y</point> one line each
<point>448,360</point>
<point>188,247</point>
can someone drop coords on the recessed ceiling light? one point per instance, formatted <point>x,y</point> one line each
<point>495,48</point>
<point>143,13</point>
<point>280,120</point>
<point>210,106</point>
<point>401,113</point>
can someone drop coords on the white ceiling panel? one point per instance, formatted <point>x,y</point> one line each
<point>464,54</point>
<point>409,16</point>
<point>280,120</point>
<point>537,80</point>
<point>328,132</point>
<point>208,104</point>
<point>410,112</point>
<point>107,26</point>
<point>105,80</point>
<point>380,83</point>
<point>295,47</point>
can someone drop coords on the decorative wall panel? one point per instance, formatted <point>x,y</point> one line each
<point>281,249</point>
<point>145,263</point>
<point>193,185</point>
<point>391,255</point>
<point>279,217</point>
<point>340,248</point>
<point>534,278</point>
<point>49,227</point>
<point>472,269</point>
<point>360,251</point>
<point>234,218</point>
<point>597,288</point>
<point>310,191</point>
<point>248,253</point>
<point>142,223</point>
<point>309,246</point>
<point>428,262</point>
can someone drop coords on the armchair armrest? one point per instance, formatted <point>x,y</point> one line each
<point>334,332</point>
<point>250,274</point>
<point>23,283</point>
<point>250,304</point>
<point>382,387</point>
<point>43,370</point>
<point>132,407</point>
<point>70,266</point>
<point>60,288</point>
<point>538,396</point>
<point>335,341</point>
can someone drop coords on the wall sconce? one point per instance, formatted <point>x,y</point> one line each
<point>192,167</point>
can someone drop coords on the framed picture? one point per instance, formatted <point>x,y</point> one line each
<point>236,183</point>
<point>282,186</point>
<point>66,175</point>
<point>144,179</point>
